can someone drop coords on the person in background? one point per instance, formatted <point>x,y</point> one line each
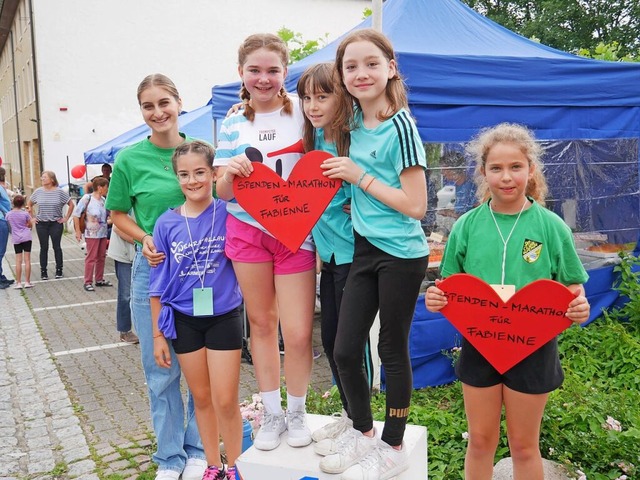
<point>122,250</point>
<point>511,218</point>
<point>5,207</point>
<point>454,170</point>
<point>21,225</point>
<point>195,305</point>
<point>95,233</point>
<point>277,284</point>
<point>50,220</point>
<point>385,167</point>
<point>143,180</point>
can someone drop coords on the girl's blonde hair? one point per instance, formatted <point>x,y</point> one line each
<point>158,80</point>
<point>274,44</point>
<point>522,138</point>
<point>395,90</point>
<point>320,78</point>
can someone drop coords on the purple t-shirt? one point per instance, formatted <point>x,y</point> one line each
<point>175,278</point>
<point>20,228</point>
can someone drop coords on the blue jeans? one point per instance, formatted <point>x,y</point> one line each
<point>123,310</point>
<point>175,442</point>
<point>4,237</point>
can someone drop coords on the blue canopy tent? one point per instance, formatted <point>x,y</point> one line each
<point>465,72</point>
<point>196,123</point>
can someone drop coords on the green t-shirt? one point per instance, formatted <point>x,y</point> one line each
<point>541,246</point>
<point>143,179</point>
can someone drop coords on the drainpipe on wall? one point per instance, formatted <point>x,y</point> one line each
<point>35,84</point>
<point>15,101</point>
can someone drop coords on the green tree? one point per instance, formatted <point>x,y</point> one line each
<point>569,24</point>
<point>298,46</point>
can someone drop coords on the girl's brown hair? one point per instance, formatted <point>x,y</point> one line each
<point>395,90</point>
<point>158,80</point>
<point>275,44</point>
<point>522,138</point>
<point>320,78</point>
<point>195,146</point>
<point>18,201</point>
<point>99,182</point>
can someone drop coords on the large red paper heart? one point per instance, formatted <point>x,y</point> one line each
<point>288,209</point>
<point>505,333</point>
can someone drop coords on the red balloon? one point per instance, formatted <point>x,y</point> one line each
<point>0,161</point>
<point>78,171</point>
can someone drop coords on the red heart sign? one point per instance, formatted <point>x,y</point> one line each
<point>288,209</point>
<point>506,332</point>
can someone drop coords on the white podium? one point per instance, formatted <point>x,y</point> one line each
<point>288,463</point>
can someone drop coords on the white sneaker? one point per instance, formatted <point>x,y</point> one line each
<point>352,447</point>
<point>268,437</point>
<point>194,469</point>
<point>299,433</point>
<point>382,463</point>
<point>333,429</point>
<point>167,475</point>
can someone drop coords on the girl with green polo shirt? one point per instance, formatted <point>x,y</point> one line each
<point>533,243</point>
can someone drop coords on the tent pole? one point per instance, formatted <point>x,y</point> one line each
<point>376,16</point>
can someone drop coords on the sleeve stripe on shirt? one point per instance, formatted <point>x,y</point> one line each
<point>407,142</point>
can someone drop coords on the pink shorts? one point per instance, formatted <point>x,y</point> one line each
<point>248,244</point>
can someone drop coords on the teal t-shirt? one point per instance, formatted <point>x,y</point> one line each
<point>384,152</point>
<point>541,247</point>
<point>333,234</point>
<point>143,179</point>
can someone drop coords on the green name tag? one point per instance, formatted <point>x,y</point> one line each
<point>203,302</point>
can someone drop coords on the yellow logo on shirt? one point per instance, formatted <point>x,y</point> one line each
<point>531,250</point>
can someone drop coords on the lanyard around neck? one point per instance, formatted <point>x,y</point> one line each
<point>193,248</point>
<point>505,242</point>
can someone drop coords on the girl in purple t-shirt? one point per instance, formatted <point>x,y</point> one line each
<point>21,224</point>
<point>194,297</point>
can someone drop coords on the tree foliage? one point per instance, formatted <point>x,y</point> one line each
<point>298,46</point>
<point>569,25</point>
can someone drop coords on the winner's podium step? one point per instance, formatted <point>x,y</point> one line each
<point>288,463</point>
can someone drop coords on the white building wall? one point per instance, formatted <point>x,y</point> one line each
<point>91,56</point>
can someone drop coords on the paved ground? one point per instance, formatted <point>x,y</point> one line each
<point>73,400</point>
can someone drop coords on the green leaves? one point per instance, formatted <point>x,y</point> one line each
<point>299,47</point>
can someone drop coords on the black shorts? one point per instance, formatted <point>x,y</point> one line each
<point>22,247</point>
<point>219,332</point>
<point>540,372</point>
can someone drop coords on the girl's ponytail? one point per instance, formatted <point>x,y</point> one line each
<point>249,112</point>
<point>287,105</point>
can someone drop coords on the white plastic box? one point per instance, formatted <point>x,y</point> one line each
<point>288,463</point>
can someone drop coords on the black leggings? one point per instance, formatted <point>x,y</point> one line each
<point>44,231</point>
<point>378,281</point>
<point>332,282</point>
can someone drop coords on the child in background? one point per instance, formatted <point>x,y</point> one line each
<point>512,187</point>
<point>333,234</point>
<point>194,303</point>
<point>21,224</point>
<point>95,233</point>
<point>386,169</point>
<point>277,284</point>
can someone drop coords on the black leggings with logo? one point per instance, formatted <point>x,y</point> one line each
<point>378,281</point>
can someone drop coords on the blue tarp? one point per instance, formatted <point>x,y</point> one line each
<point>196,123</point>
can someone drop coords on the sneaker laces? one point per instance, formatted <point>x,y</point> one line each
<point>297,419</point>
<point>346,441</point>
<point>213,473</point>
<point>336,427</point>
<point>231,473</point>
<point>371,459</point>
<point>270,422</point>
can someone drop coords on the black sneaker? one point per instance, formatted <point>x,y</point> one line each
<point>44,275</point>
<point>58,273</point>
